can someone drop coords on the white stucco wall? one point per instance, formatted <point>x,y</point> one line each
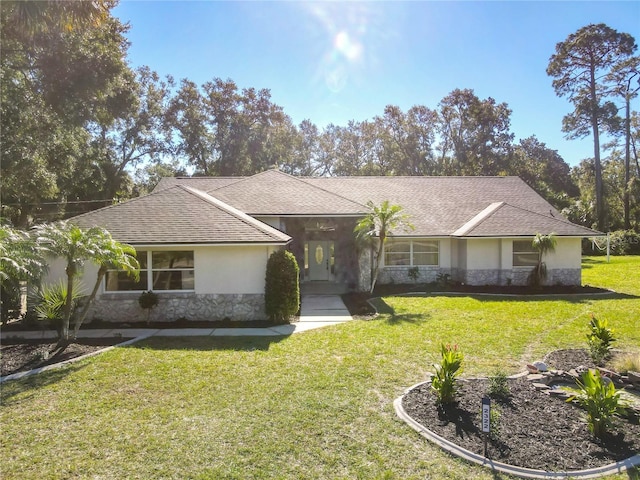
<point>445,253</point>
<point>239,269</point>
<point>483,254</point>
<point>57,272</point>
<point>568,254</point>
<point>462,254</point>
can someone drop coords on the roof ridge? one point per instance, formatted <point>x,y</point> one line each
<point>242,179</point>
<point>298,179</point>
<point>478,219</point>
<point>249,220</point>
<point>503,204</point>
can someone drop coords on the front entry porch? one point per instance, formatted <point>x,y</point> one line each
<point>323,288</point>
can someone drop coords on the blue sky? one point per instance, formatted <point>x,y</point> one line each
<point>332,62</point>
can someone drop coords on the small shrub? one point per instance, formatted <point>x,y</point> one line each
<point>600,400</point>
<point>414,273</point>
<point>599,338</point>
<point>625,363</point>
<point>444,381</point>
<point>147,300</point>
<point>443,280</point>
<point>282,289</point>
<point>494,422</point>
<point>499,386</point>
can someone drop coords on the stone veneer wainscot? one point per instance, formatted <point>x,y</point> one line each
<point>173,306</point>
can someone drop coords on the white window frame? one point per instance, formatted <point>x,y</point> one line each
<point>527,253</point>
<point>150,271</point>
<point>411,263</point>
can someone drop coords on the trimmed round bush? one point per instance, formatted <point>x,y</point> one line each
<point>282,288</point>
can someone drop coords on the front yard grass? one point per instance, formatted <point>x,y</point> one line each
<point>316,405</point>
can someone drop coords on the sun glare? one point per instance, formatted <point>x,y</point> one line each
<point>347,34</point>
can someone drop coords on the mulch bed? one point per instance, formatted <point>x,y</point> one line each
<point>24,355</point>
<point>535,430</point>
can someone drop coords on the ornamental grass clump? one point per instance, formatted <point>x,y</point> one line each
<point>599,338</point>
<point>599,399</point>
<point>444,381</point>
<point>499,386</point>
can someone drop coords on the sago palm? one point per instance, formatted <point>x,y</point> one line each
<point>380,223</point>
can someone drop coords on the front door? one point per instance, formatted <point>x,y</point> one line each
<point>320,260</point>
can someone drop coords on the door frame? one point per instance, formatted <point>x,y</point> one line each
<point>328,258</point>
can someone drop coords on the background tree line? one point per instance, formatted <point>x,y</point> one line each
<point>81,129</point>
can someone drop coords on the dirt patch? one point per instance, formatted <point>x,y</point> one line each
<point>19,356</point>
<point>534,430</point>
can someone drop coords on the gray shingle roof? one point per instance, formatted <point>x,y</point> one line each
<point>508,221</point>
<point>180,215</point>
<point>201,183</point>
<point>437,206</point>
<point>277,193</point>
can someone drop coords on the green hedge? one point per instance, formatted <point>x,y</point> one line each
<point>282,288</point>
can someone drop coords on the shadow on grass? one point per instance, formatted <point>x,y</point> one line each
<point>207,343</point>
<point>394,318</point>
<point>31,384</point>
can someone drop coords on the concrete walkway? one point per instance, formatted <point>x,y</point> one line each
<point>316,311</point>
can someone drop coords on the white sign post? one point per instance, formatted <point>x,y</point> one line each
<point>486,420</point>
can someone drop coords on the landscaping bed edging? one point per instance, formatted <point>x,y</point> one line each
<point>522,472</point>
<point>28,373</point>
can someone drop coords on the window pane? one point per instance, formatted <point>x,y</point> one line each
<point>525,259</point>
<point>524,255</point>
<point>392,258</point>
<point>121,282</point>
<point>521,246</point>
<point>425,258</point>
<point>396,246</point>
<point>141,256</point>
<point>168,260</point>
<point>173,280</point>
<point>424,247</point>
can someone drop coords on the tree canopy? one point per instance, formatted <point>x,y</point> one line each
<point>82,130</point>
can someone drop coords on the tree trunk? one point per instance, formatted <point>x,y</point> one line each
<point>600,213</point>
<point>376,265</point>
<point>627,163</point>
<point>64,337</point>
<point>85,310</point>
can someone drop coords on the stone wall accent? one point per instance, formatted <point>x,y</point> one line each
<point>124,308</point>
<point>400,275</point>
<point>364,270</point>
<point>520,277</point>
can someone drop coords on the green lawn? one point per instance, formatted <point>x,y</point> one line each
<point>313,405</point>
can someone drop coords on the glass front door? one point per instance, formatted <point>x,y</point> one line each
<point>320,259</point>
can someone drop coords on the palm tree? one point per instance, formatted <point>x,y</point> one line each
<point>109,255</point>
<point>541,244</point>
<point>21,261</point>
<point>66,240</point>
<point>20,257</point>
<point>380,223</point>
